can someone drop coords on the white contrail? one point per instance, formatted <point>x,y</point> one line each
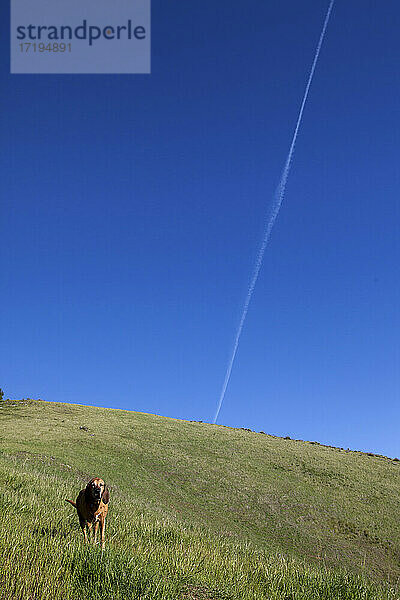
<point>272,215</point>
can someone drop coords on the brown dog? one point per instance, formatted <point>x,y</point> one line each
<point>92,507</point>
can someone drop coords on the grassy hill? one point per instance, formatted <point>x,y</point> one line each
<point>198,511</point>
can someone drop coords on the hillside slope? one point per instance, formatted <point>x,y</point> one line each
<point>234,495</point>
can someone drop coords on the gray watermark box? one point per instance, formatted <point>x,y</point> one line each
<point>80,36</point>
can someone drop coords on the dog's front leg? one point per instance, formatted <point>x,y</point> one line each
<point>96,526</point>
<point>83,527</point>
<point>102,531</point>
<point>89,526</point>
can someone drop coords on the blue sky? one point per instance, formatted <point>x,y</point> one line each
<point>133,207</point>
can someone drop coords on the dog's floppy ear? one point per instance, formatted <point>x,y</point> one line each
<point>106,495</point>
<point>88,491</point>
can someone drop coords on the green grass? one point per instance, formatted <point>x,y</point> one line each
<point>198,511</point>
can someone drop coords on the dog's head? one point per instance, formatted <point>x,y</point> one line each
<point>97,490</point>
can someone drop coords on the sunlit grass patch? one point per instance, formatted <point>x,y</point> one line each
<point>164,538</point>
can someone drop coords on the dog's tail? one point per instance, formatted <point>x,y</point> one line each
<point>70,501</point>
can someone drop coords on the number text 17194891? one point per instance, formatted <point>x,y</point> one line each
<point>42,47</point>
